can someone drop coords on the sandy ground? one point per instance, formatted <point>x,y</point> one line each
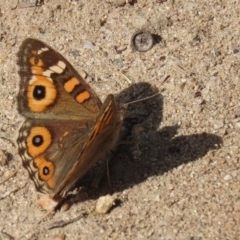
<point>185,185</point>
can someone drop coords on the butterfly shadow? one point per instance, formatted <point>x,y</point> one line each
<point>146,150</point>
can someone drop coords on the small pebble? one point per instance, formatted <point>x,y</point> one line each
<point>88,45</point>
<point>217,124</point>
<point>46,202</point>
<point>7,173</point>
<point>104,204</point>
<point>227,177</point>
<point>142,41</point>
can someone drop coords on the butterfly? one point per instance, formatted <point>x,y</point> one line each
<point>67,128</point>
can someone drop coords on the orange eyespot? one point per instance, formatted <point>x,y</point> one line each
<point>41,93</point>
<point>38,141</point>
<point>46,171</point>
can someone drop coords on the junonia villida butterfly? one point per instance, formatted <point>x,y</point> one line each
<point>67,128</point>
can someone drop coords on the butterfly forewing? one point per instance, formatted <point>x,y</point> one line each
<point>50,87</point>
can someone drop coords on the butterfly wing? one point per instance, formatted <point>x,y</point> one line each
<point>102,138</point>
<point>49,149</point>
<point>50,87</point>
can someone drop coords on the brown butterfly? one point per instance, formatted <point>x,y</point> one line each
<point>67,128</point>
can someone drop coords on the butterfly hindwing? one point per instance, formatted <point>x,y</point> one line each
<point>49,149</point>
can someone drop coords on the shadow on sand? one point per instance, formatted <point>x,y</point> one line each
<point>159,149</point>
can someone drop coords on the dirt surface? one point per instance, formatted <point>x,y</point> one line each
<point>186,182</point>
